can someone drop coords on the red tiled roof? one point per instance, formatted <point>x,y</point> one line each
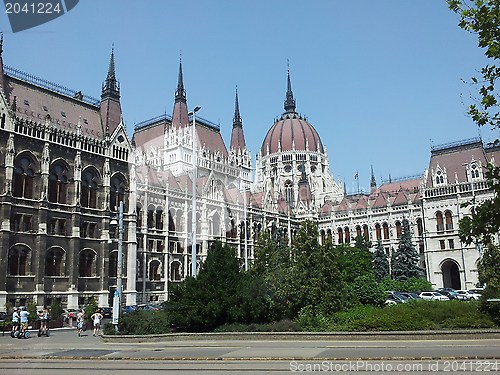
<point>400,199</point>
<point>211,139</point>
<point>150,136</point>
<point>35,103</point>
<point>454,160</point>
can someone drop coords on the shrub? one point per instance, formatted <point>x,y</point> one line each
<point>368,290</point>
<point>56,310</point>
<point>310,319</point>
<point>143,322</point>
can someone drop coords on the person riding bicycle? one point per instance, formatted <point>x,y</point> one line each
<point>15,321</point>
<point>44,318</point>
<point>24,317</point>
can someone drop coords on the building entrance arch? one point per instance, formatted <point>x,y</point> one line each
<point>451,274</point>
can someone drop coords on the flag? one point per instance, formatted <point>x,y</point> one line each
<point>356,175</point>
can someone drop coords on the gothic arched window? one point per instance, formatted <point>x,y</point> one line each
<point>378,231</point>
<point>18,261</point>
<point>54,262</point>
<point>24,175</point>
<point>86,263</point>
<point>90,186</point>
<point>117,191</point>
<point>398,229</point>
<point>366,235</point>
<point>154,270</point>
<point>385,227</point>
<point>175,271</point>
<point>448,220</point>
<point>439,221</point>
<point>58,183</point>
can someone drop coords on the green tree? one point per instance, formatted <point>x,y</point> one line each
<point>368,291</point>
<point>353,262</point>
<point>381,268</point>
<point>482,17</point>
<point>314,275</point>
<point>220,294</point>
<point>489,272</point>
<point>405,259</point>
<point>272,264</point>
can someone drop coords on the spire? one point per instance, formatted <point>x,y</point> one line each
<point>111,88</point>
<point>180,113</point>
<point>110,108</point>
<point>373,182</point>
<point>289,101</point>
<point>180,93</point>
<point>237,117</point>
<point>237,135</point>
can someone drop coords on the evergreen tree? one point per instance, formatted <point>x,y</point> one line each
<point>272,264</point>
<point>220,294</point>
<point>380,263</point>
<point>314,278</point>
<point>405,259</point>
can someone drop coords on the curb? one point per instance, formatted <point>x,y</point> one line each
<point>309,336</point>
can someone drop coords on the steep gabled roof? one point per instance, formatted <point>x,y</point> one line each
<point>400,199</point>
<point>380,201</point>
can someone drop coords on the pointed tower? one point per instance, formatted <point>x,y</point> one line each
<point>289,100</point>
<point>237,136</point>
<point>110,108</point>
<point>373,183</point>
<point>180,113</point>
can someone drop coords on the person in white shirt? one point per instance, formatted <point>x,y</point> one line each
<point>15,321</point>
<point>96,319</point>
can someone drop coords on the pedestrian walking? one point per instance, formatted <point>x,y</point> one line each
<point>96,319</point>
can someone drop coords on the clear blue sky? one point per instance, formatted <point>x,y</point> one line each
<point>379,79</point>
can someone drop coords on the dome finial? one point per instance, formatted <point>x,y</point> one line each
<point>289,101</point>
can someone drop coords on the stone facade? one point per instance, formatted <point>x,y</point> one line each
<point>66,162</point>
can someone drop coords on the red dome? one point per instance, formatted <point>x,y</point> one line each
<point>293,133</point>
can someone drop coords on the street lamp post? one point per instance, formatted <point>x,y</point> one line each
<point>193,203</point>
<point>117,298</point>
<point>245,221</point>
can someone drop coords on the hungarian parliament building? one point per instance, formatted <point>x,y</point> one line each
<point>67,162</point>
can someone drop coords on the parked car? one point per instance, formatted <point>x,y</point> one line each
<point>127,309</point>
<point>410,295</point>
<point>452,294</point>
<point>147,307</point>
<point>393,300</point>
<point>433,296</point>
<point>107,312</point>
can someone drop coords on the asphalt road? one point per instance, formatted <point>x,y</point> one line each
<point>64,352</point>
